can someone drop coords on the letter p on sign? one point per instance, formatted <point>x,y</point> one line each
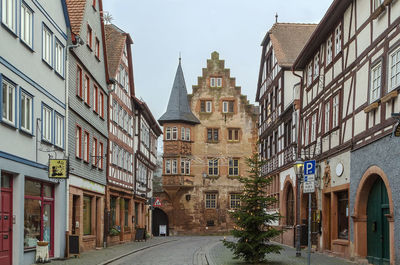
<point>309,167</point>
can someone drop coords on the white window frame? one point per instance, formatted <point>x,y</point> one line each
<point>306,131</point>
<point>338,39</point>
<point>309,74</point>
<point>327,116</point>
<point>26,32</point>
<point>212,82</point>
<point>59,58</point>
<point>8,116</point>
<point>329,50</point>
<point>187,167</point>
<point>394,69</point>
<point>187,134</point>
<point>59,130</point>
<point>316,66</point>
<point>208,106</point>
<point>167,166</point>
<point>47,45</point>
<point>8,14</point>
<point>314,127</point>
<point>182,133</point>
<point>26,112</point>
<point>174,169</point>
<point>168,133</point>
<point>219,82</point>
<point>47,123</point>
<point>174,133</point>
<point>225,106</point>
<point>335,111</point>
<point>376,82</point>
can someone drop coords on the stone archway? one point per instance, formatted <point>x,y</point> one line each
<point>159,218</point>
<point>360,212</point>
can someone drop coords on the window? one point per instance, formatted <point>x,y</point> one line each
<point>185,166</point>
<point>78,142</point>
<point>38,214</point>
<point>101,104</point>
<point>168,133</point>
<point>227,106</point>
<point>205,106</point>
<point>87,215</point>
<point>59,132</point>
<point>343,214</point>
<point>327,116</point>
<point>394,70</point>
<point>211,200</point>
<point>113,211</point>
<point>26,24</point>
<point>47,45</point>
<point>89,37</point>
<point>97,48</point>
<point>174,166</point>
<point>233,134</point>
<point>219,82</point>
<point>8,101</point>
<point>212,135</point>
<point>314,127</point>
<point>289,206</point>
<point>329,50</point>
<point>306,132</point>
<point>309,74</point>
<point>26,112</point>
<point>377,3</point>
<point>126,212</point>
<point>86,146</point>
<point>101,158</point>
<point>96,99</point>
<point>79,88</point>
<point>59,58</point>
<point>87,90</point>
<point>338,39</point>
<point>234,167</point>
<point>94,151</point>
<point>316,66</point>
<point>174,133</point>
<point>212,82</point>
<point>8,13</point>
<point>46,124</point>
<point>182,133</point>
<point>187,134</point>
<point>167,166</point>
<point>208,106</point>
<point>235,201</point>
<point>213,167</point>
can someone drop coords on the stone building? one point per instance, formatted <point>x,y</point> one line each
<point>87,122</point>
<point>207,136</point>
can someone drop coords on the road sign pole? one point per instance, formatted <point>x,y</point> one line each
<point>309,230</point>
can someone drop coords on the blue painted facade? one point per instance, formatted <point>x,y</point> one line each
<point>26,145</point>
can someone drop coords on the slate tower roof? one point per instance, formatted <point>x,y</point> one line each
<point>178,109</point>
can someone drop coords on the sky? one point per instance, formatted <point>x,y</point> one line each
<point>162,29</point>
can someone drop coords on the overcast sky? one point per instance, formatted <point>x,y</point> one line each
<point>160,29</point>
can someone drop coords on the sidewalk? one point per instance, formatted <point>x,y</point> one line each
<point>106,255</point>
<point>218,254</point>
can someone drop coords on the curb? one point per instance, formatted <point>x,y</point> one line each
<point>207,251</point>
<point>134,251</point>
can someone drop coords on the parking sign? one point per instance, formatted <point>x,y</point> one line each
<point>309,167</point>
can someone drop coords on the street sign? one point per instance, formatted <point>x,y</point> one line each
<point>157,202</point>
<point>309,167</point>
<point>309,178</point>
<point>308,187</point>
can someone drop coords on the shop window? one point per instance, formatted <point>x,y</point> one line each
<point>38,214</point>
<point>343,215</point>
<point>211,200</point>
<point>235,201</point>
<point>87,215</point>
<point>113,211</point>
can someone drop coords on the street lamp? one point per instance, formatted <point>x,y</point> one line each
<point>298,168</point>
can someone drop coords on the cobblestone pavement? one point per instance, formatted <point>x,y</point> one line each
<point>219,255</point>
<point>101,256</point>
<point>185,251</point>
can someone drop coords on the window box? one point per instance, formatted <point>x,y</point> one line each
<point>371,107</point>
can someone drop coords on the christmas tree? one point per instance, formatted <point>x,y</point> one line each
<point>253,229</point>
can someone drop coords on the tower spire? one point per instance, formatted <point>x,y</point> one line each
<point>276,17</point>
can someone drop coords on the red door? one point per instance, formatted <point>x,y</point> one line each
<point>6,221</point>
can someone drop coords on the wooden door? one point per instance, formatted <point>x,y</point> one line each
<point>378,225</point>
<point>6,220</point>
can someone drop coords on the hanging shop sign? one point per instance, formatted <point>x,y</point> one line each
<point>58,168</point>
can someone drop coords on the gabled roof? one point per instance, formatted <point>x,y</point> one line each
<point>148,115</point>
<point>115,43</point>
<point>76,11</point>
<point>178,109</point>
<point>288,39</point>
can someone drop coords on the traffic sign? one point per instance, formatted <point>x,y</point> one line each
<point>308,187</point>
<point>157,202</point>
<point>309,178</point>
<point>309,167</point>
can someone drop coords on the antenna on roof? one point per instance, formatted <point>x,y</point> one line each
<point>276,17</point>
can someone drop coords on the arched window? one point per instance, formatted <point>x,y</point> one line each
<point>289,206</point>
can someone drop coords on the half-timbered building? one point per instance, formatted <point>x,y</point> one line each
<point>350,83</point>
<point>278,98</point>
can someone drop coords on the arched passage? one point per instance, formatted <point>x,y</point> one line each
<point>159,218</point>
<point>373,218</point>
